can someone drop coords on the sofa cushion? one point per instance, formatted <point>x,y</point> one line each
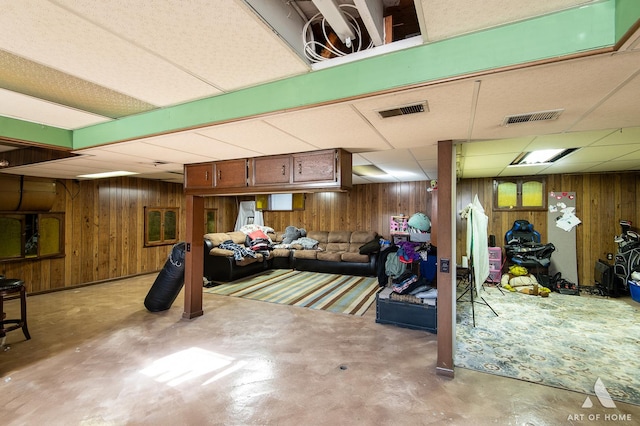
<point>361,237</point>
<point>217,238</point>
<point>281,252</point>
<point>237,237</point>
<point>306,254</point>
<point>337,247</point>
<point>321,237</point>
<point>339,237</point>
<point>330,256</point>
<point>249,260</point>
<point>217,251</point>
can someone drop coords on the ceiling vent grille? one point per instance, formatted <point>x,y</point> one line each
<point>405,110</point>
<point>532,116</point>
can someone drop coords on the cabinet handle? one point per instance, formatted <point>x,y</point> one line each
<point>219,174</point>
<point>283,169</point>
<point>206,175</point>
<point>299,168</point>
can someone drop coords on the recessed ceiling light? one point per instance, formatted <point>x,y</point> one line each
<point>543,156</point>
<point>107,174</point>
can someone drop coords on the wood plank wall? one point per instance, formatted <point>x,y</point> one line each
<point>602,200</point>
<point>364,207</point>
<point>104,221</point>
<point>104,232</point>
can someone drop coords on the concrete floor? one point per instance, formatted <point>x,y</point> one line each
<point>97,357</point>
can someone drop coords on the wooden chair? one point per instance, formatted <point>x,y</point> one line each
<point>8,287</point>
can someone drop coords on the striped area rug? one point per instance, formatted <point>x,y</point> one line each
<point>329,292</point>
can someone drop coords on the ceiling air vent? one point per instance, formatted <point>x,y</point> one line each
<point>405,110</point>
<point>532,116</point>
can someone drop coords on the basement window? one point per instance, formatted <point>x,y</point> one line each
<point>160,226</point>
<point>31,236</point>
<point>519,194</point>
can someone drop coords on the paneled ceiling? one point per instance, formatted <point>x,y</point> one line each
<point>71,64</point>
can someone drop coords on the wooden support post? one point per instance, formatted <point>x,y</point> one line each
<point>194,260</point>
<point>445,279</point>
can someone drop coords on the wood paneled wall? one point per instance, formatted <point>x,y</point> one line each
<point>602,200</point>
<point>104,221</point>
<point>104,232</point>
<point>364,207</point>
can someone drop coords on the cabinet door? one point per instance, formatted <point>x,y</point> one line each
<point>314,166</point>
<point>198,175</point>
<point>272,170</point>
<point>231,174</point>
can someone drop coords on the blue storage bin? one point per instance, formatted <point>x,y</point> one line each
<point>634,289</point>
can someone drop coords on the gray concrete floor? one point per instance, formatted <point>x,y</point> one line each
<point>98,357</point>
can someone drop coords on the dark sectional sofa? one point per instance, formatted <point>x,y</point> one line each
<point>337,252</point>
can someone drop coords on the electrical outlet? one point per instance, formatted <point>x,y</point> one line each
<point>609,256</point>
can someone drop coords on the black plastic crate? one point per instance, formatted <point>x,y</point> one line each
<point>408,315</point>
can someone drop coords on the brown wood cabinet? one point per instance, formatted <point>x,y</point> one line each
<point>314,166</point>
<point>198,175</point>
<point>328,170</point>
<point>231,174</point>
<point>272,170</point>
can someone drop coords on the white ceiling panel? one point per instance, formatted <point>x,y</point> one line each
<point>337,126</point>
<point>567,140</point>
<point>213,29</point>
<point>614,111</point>
<point>487,161</point>
<point>600,153</point>
<point>619,166</point>
<point>574,86</point>
<point>142,150</point>
<point>23,107</point>
<point>448,116</point>
<point>620,137</point>
<point>449,18</point>
<point>389,156</point>
<point>63,44</point>
<point>495,147</point>
<point>570,167</point>
<point>259,137</point>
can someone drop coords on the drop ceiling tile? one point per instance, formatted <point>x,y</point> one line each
<point>141,152</point>
<point>444,18</point>
<point>335,126</point>
<point>600,153</point>
<point>514,145</point>
<point>487,161</point>
<point>567,140</point>
<point>389,156</point>
<point>626,136</point>
<point>257,136</point>
<point>480,173</point>
<point>404,171</point>
<point>616,166</point>
<point>425,152</point>
<point>27,108</point>
<point>449,110</point>
<point>569,167</point>
<point>619,108</point>
<point>106,58</point>
<point>213,29</point>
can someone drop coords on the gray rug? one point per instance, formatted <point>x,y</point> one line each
<point>561,341</point>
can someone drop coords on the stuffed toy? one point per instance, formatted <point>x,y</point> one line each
<point>291,233</point>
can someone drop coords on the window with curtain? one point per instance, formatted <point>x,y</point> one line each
<point>160,226</point>
<point>526,193</point>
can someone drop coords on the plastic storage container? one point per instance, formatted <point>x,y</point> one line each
<point>634,289</point>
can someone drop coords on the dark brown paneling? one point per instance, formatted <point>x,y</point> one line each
<point>601,201</point>
<point>104,232</point>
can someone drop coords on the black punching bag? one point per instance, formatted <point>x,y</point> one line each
<point>169,282</point>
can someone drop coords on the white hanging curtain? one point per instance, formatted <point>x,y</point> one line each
<point>477,241</point>
<point>248,215</point>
